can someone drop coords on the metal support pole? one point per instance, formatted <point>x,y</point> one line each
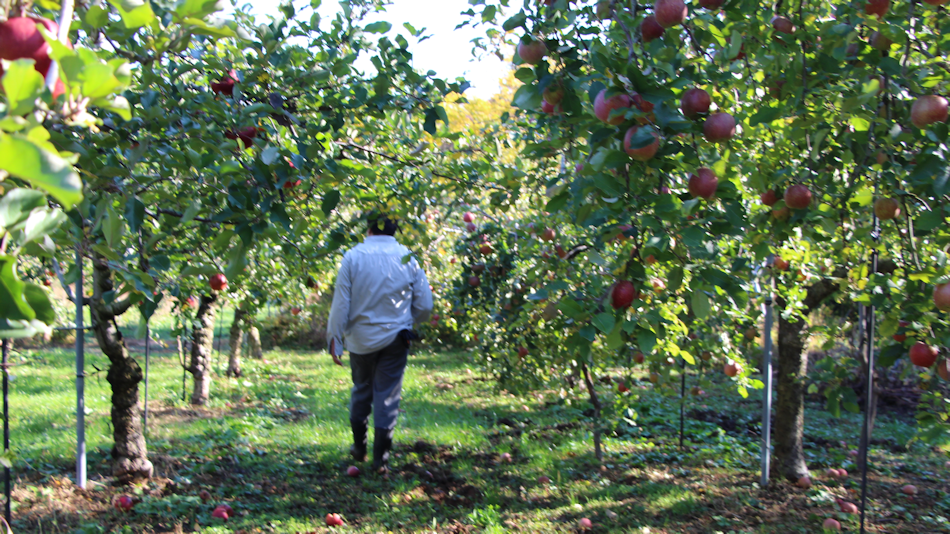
<point>767,394</point>
<point>145,408</point>
<point>80,380</point>
<point>682,400</point>
<point>869,399</point>
<point>6,430</point>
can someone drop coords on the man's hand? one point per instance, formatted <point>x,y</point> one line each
<point>333,355</point>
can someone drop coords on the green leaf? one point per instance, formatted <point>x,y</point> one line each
<point>39,300</point>
<point>615,339</point>
<point>646,340</point>
<point>237,263</point>
<point>23,85</point>
<point>191,212</point>
<point>604,322</point>
<point>96,16</point>
<point>134,13</point>
<point>197,8</point>
<point>201,268</point>
<point>17,204</point>
<point>112,228</point>
<point>765,114</point>
<point>700,304</point>
<point>515,21</point>
<point>378,27</point>
<point>25,159</point>
<point>13,304</point>
<point>10,329</point>
<point>330,200</point>
<point>135,214</point>
<point>41,223</point>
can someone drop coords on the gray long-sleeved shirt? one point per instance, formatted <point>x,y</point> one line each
<point>376,296</point>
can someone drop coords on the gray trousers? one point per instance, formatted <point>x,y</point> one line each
<point>377,384</point>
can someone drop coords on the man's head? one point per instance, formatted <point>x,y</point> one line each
<point>381,225</point>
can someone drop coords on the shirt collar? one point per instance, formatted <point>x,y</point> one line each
<point>379,239</point>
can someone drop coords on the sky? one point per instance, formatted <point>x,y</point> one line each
<point>448,51</point>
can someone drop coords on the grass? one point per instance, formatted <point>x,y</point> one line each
<point>273,444</point>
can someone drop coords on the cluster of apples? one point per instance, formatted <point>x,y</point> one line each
<point>20,38</point>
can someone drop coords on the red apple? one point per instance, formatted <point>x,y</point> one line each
<point>506,457</point>
<point>290,184</point>
<point>877,7</point>
<point>731,368</point>
<point>639,357</point>
<point>295,311</point>
<point>470,227</point>
<point>226,85</point>
<point>831,525</point>
<point>650,29</point>
<point>468,217</point>
<point>220,513</point>
<point>478,268</point>
<point>622,388</point>
<point>669,13</point>
<point>804,482</point>
<point>474,281</point>
<point>604,11</point>
<point>20,39</point>
<point>522,352</point>
<point>559,250</point>
<point>711,5</point>
<point>847,507</point>
<point>352,471</point>
<point>923,355</point>
<point>603,106</point>
<point>204,495</point>
<point>886,209</point>
<point>769,198</point>
<point>909,489</point>
<point>782,25</point>
<point>553,94</point>
<point>585,524</point>
<point>548,234</point>
<point>782,213</point>
<point>706,355</point>
<point>333,520</point>
<point>936,2</point>
<point>550,109</point>
<point>695,101</point>
<point>797,197</point>
<point>900,338</point>
<point>644,153</point>
<point>880,41</point>
<point>780,264</point>
<point>485,249</point>
<point>544,479</point>
<point>650,260</point>
<point>532,52</point>
<point>943,369</point>
<point>927,110</point>
<point>623,294</point>
<point>219,282</point>
<point>124,503</point>
<point>842,473</point>
<point>703,183</point>
<point>719,127</point>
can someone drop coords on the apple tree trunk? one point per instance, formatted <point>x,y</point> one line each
<point>595,401</point>
<point>254,342</point>
<point>792,366</point>
<point>236,336</point>
<point>202,349</point>
<point>129,454</point>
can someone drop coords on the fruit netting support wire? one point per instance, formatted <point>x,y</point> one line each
<point>6,430</point>
<point>65,18</point>
<point>766,379</point>
<point>869,381</point>
<point>80,378</point>
<point>147,334</point>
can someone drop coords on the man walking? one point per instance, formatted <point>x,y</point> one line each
<point>377,299</point>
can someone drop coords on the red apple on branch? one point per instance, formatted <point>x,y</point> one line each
<point>643,153</point>
<point>532,52</point>
<point>769,198</point>
<point>474,281</point>
<point>295,311</point>
<point>797,197</point>
<point>731,368</point>
<point>880,41</point>
<point>928,110</point>
<point>219,282</point>
<point>468,217</point>
<point>548,234</point>
<point>782,25</point>
<point>226,85</point>
<point>695,101</point>
<point>703,183</point>
<point>877,7</point>
<point>650,29</point>
<point>623,294</point>
<point>711,5</point>
<point>20,39</point>
<point>669,13</point>
<point>719,127</point>
<point>603,106</point>
<point>522,352</point>
<point>886,209</point>
<point>923,355</point>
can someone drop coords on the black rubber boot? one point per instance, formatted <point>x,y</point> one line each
<point>382,443</point>
<point>358,450</point>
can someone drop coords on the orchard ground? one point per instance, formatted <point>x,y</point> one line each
<point>273,445</point>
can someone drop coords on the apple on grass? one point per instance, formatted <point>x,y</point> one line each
<point>804,482</point>
<point>544,479</point>
<point>124,503</point>
<point>585,524</point>
<point>831,525</point>
<point>353,471</point>
<point>909,490</point>
<point>220,513</point>
<point>506,457</point>
<point>333,520</point>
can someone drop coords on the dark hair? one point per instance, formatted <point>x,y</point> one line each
<point>382,225</point>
